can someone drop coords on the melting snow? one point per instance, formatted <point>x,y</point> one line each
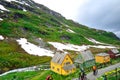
<point>18,2</point>
<point>101,46</point>
<point>3,8</point>
<point>24,10</point>
<point>23,2</point>
<point>1,19</point>
<point>10,0</point>
<point>94,41</point>
<point>33,49</point>
<point>66,25</point>
<point>1,11</point>
<point>1,37</point>
<point>69,30</point>
<point>61,46</point>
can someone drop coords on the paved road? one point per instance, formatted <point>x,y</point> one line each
<point>90,76</point>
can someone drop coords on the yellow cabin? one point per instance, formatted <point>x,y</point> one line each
<point>62,64</point>
<point>102,58</point>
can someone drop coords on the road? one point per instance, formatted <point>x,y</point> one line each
<point>90,75</point>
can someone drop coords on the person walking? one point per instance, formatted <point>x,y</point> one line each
<point>79,76</point>
<point>94,70</point>
<point>83,76</point>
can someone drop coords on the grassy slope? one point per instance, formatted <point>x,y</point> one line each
<point>12,56</point>
<point>50,29</point>
<point>37,25</point>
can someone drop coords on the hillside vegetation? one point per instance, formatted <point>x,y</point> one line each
<point>12,57</point>
<point>38,21</point>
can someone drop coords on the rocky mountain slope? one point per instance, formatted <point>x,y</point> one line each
<point>24,23</point>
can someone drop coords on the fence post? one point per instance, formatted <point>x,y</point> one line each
<point>105,77</point>
<point>116,73</point>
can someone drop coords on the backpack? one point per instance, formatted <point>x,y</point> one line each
<point>48,77</point>
<point>94,67</point>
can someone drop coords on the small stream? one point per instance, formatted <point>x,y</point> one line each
<point>33,68</point>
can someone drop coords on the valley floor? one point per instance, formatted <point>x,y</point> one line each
<point>41,74</point>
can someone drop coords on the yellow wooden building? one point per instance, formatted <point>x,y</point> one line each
<point>102,58</point>
<point>62,64</point>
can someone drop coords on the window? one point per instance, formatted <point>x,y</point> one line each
<point>53,67</point>
<point>67,71</point>
<point>66,58</point>
<point>58,69</point>
<point>67,63</point>
<point>73,68</point>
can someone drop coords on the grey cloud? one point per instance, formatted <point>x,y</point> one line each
<point>101,14</point>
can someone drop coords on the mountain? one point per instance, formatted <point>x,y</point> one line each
<point>36,24</point>
<point>27,16</point>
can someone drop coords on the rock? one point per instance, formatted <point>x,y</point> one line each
<point>65,37</point>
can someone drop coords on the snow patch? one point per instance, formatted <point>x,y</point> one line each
<point>40,39</point>
<point>1,19</point>
<point>1,37</point>
<point>94,41</point>
<point>101,46</point>
<point>33,49</point>
<point>66,25</point>
<point>38,7</point>
<point>24,10</point>
<point>3,8</point>
<point>1,11</point>
<point>62,47</point>
<point>69,30</point>
<point>10,0</point>
<point>22,2</point>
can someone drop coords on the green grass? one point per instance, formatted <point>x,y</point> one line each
<point>50,29</point>
<point>19,75</point>
<point>42,74</point>
<point>37,24</point>
<point>111,75</point>
<point>12,56</point>
<point>38,75</point>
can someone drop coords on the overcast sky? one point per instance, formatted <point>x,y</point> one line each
<point>99,14</point>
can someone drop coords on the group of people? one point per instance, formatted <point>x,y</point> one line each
<point>82,75</point>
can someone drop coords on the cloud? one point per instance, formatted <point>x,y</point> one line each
<point>101,15</point>
<point>68,8</point>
